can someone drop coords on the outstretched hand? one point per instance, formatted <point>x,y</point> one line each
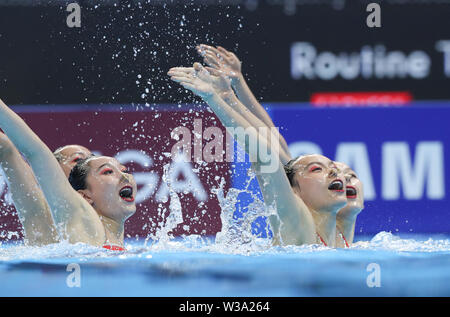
<point>220,59</point>
<point>200,81</point>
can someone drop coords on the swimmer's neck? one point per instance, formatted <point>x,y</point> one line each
<point>346,220</point>
<point>325,222</point>
<point>114,230</point>
<point>348,214</point>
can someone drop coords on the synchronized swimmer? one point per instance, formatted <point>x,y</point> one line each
<point>32,208</point>
<point>309,191</point>
<point>72,195</point>
<point>91,206</point>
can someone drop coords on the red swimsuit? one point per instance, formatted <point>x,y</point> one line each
<point>114,247</point>
<point>342,236</point>
<point>321,240</point>
<point>345,240</point>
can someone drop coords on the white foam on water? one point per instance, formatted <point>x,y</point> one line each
<point>383,241</point>
<point>388,241</point>
<point>17,252</point>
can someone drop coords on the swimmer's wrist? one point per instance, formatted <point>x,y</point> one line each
<point>227,96</point>
<point>212,97</point>
<point>238,79</point>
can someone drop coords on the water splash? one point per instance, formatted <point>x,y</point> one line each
<point>236,233</point>
<point>175,217</point>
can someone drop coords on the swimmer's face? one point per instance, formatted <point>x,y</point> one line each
<point>111,188</point>
<point>71,154</point>
<point>354,187</point>
<point>319,183</point>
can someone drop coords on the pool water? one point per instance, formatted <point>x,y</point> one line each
<point>385,265</point>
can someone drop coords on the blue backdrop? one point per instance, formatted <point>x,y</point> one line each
<point>400,154</point>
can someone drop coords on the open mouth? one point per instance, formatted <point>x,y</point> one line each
<point>336,185</point>
<point>351,192</point>
<point>126,193</point>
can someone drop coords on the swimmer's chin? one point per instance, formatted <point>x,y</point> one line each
<point>129,215</point>
<point>354,205</point>
<point>128,212</point>
<point>340,201</point>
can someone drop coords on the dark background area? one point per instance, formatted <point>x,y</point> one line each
<point>122,52</point>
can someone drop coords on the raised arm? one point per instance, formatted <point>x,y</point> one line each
<point>229,64</point>
<point>298,226</point>
<point>221,85</point>
<point>31,206</point>
<point>69,209</point>
<point>230,98</point>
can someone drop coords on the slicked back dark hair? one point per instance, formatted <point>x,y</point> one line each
<point>79,173</point>
<point>290,170</point>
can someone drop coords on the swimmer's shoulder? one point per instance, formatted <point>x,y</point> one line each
<point>84,225</point>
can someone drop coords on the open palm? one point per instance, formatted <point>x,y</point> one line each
<point>220,82</point>
<point>200,81</point>
<point>221,59</point>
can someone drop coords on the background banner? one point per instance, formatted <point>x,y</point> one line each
<point>290,49</point>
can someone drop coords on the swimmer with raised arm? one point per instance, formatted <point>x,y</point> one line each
<point>307,201</point>
<point>105,199</point>
<point>33,211</point>
<point>31,206</point>
<point>221,61</point>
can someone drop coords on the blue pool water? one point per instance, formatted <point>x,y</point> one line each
<point>406,266</point>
